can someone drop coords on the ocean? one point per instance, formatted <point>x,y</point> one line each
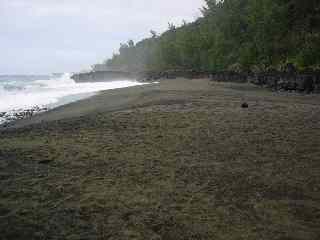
<point>20,93</point>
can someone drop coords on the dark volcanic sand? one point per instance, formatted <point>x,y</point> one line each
<point>178,160</point>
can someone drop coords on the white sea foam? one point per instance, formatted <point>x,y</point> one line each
<point>27,94</point>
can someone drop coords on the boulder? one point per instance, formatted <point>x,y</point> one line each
<point>317,82</point>
<point>244,105</point>
<point>290,68</point>
<point>229,76</point>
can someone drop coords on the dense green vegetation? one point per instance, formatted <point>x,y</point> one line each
<point>232,34</point>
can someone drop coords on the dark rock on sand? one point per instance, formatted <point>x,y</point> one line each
<point>21,113</point>
<point>245,105</point>
<point>45,161</point>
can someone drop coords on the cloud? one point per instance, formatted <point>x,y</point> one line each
<point>84,31</point>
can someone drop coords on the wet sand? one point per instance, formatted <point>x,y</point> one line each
<point>175,160</point>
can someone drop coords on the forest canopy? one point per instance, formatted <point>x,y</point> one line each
<point>232,34</point>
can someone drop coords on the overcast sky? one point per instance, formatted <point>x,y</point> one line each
<point>45,36</point>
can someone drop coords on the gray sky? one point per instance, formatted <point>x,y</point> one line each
<point>44,36</point>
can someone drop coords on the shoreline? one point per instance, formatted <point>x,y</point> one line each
<point>111,100</point>
<point>10,117</point>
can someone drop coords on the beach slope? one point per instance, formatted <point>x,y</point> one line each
<point>181,159</point>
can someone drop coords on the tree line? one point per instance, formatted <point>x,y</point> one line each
<point>232,35</point>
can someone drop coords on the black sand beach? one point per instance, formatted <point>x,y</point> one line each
<point>181,159</point>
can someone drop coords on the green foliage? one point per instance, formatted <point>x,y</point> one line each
<point>246,33</point>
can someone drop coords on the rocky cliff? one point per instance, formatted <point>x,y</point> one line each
<point>102,76</point>
<point>307,81</point>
